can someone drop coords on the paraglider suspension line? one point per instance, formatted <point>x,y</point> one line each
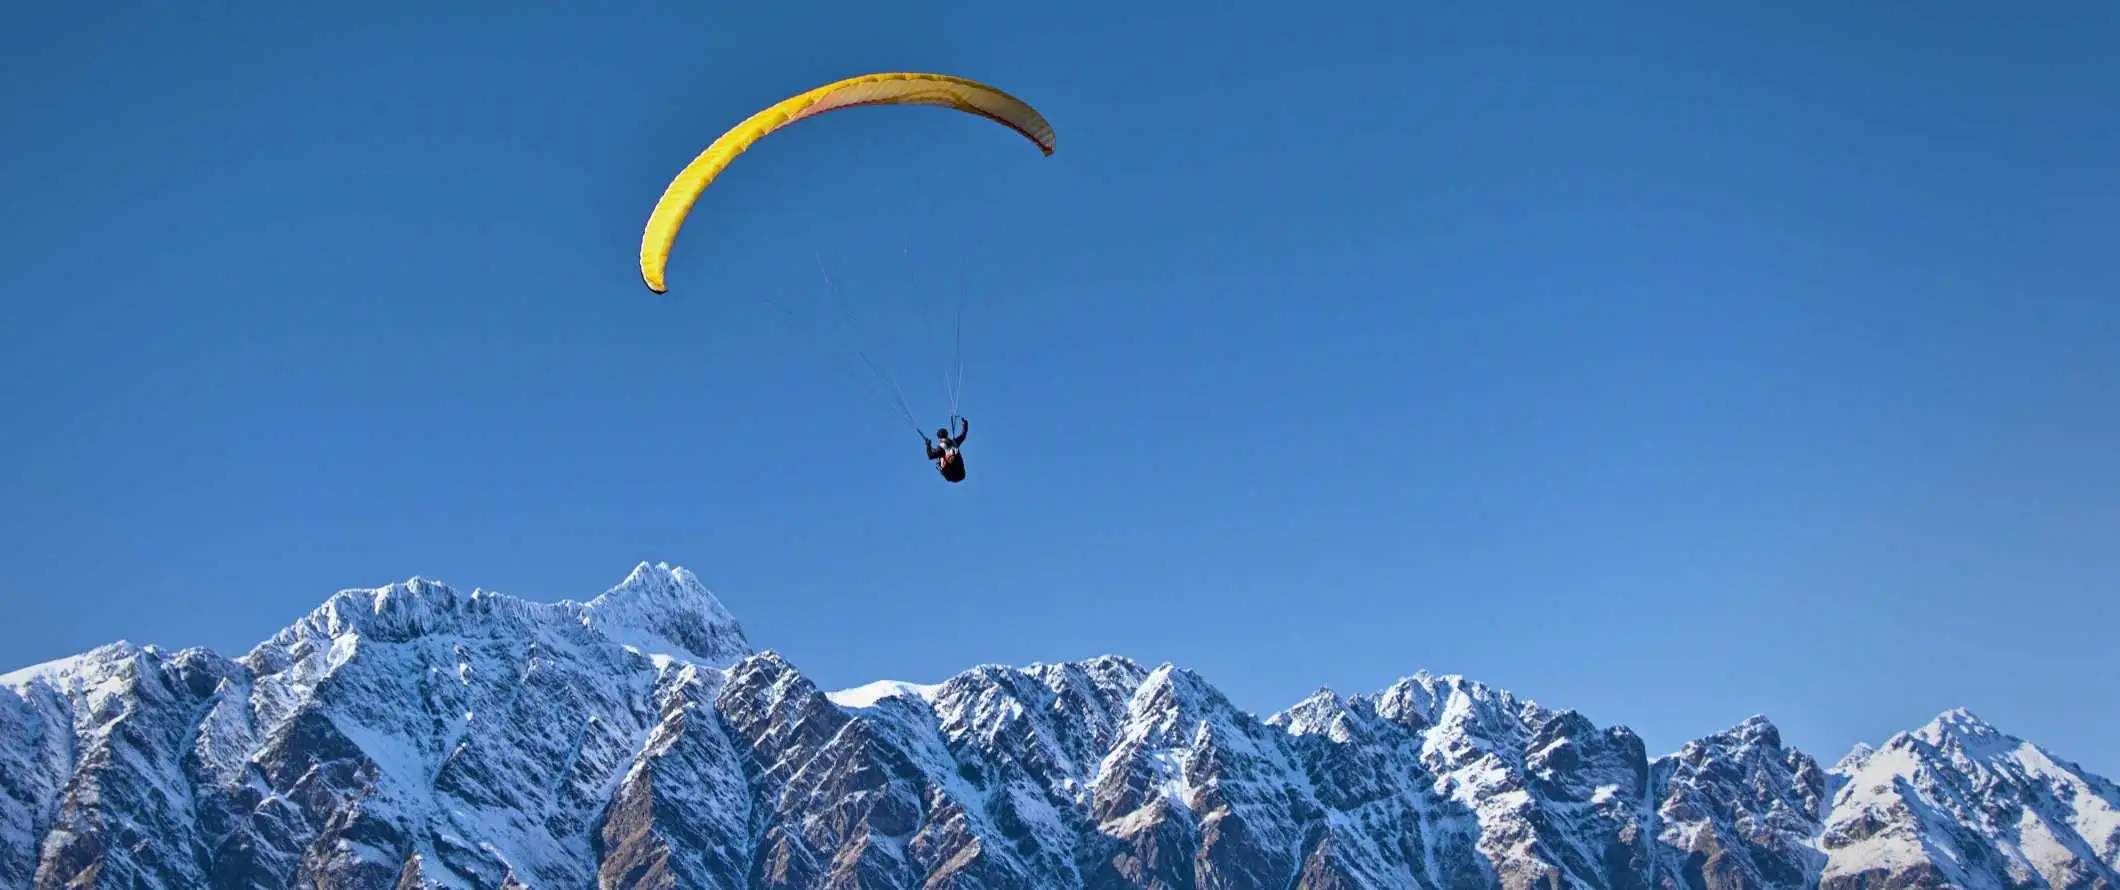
<point>952,385</point>
<point>956,384</point>
<point>848,311</point>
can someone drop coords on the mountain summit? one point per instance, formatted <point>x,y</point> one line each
<point>412,736</point>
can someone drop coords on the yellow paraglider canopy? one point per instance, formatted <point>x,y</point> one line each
<point>943,90</point>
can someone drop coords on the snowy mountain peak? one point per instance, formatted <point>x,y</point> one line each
<point>1323,700</point>
<point>1857,756</point>
<point>868,694</point>
<point>663,610</point>
<point>398,611</point>
<point>1756,730</point>
<point>1961,803</point>
<point>86,667</point>
<point>409,736</point>
<point>660,612</point>
<point>667,584</point>
<point>1469,715</point>
<point>1316,713</point>
<point>1961,728</point>
<point>1101,665</point>
<point>1176,690</point>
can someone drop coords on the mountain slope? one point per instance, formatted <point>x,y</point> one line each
<point>1958,803</point>
<point>415,736</point>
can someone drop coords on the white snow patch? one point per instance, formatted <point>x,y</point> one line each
<point>398,757</point>
<point>73,671</point>
<point>50,671</point>
<point>867,695</point>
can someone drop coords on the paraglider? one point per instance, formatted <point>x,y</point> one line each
<point>946,450</point>
<point>895,88</point>
<point>968,96</point>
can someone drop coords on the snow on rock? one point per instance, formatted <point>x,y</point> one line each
<point>1959,803</point>
<point>1737,809</point>
<point>413,735</point>
<point>667,611</point>
<point>867,695</point>
<point>37,757</point>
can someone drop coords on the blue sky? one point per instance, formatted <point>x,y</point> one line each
<point>1665,363</point>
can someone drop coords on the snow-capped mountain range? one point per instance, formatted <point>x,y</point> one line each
<point>415,736</point>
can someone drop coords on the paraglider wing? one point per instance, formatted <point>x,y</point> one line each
<point>968,96</point>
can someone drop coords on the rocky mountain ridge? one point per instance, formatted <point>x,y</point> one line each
<point>414,736</point>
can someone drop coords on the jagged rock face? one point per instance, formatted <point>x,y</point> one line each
<point>1739,812</point>
<point>414,737</point>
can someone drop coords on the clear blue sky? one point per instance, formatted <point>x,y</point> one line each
<point>1664,363</point>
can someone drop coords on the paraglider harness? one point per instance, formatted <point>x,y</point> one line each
<point>943,450</point>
